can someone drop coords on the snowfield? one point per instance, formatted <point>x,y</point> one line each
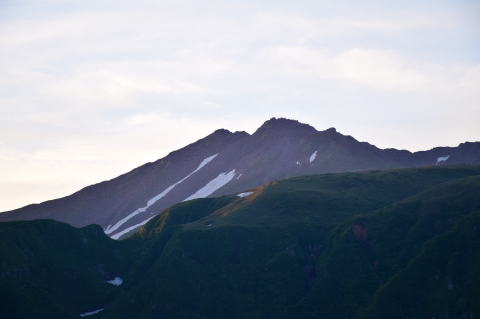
<point>91,312</point>
<point>117,281</point>
<point>442,159</point>
<point>110,229</point>
<point>126,230</point>
<point>219,181</point>
<point>245,194</point>
<point>313,156</point>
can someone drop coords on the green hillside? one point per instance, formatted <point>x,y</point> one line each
<point>381,244</point>
<point>52,270</point>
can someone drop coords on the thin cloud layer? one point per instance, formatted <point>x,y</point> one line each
<point>91,89</point>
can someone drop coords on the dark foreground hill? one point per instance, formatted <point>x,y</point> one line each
<point>380,244</point>
<point>224,163</point>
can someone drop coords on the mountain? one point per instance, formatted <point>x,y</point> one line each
<point>226,163</point>
<point>398,243</point>
<point>52,270</point>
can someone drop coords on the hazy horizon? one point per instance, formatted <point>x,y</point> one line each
<point>90,90</point>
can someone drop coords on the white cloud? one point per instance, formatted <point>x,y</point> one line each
<point>379,70</point>
<point>82,82</point>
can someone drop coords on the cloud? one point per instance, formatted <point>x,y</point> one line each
<point>379,70</point>
<point>89,89</point>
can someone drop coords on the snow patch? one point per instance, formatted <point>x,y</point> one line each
<point>219,181</point>
<point>313,156</point>
<point>239,175</point>
<point>126,230</point>
<point>91,312</point>
<point>117,281</point>
<point>245,194</point>
<point>298,163</point>
<point>110,229</point>
<point>442,159</point>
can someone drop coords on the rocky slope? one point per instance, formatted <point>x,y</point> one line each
<point>225,163</point>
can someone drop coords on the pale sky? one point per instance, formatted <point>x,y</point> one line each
<point>92,89</point>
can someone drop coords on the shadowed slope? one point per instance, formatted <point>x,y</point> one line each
<point>52,270</point>
<point>295,250</point>
<point>344,245</point>
<point>225,163</point>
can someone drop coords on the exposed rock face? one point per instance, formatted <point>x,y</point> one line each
<point>226,163</point>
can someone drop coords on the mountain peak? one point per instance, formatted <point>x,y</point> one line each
<point>331,130</point>
<point>222,131</point>
<point>284,125</point>
<point>225,132</point>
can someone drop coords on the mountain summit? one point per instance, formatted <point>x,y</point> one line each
<point>280,126</point>
<point>227,163</point>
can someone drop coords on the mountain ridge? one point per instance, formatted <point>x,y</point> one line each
<point>279,149</point>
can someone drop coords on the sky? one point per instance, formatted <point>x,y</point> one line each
<point>92,89</point>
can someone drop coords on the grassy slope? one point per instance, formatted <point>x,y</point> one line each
<point>290,249</point>
<point>442,281</point>
<point>337,246</point>
<point>52,270</point>
<point>359,263</point>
